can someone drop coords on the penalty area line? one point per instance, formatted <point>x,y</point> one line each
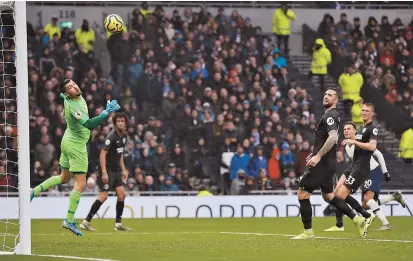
<point>76,257</point>
<point>332,238</point>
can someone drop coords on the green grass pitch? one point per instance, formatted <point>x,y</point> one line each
<point>265,239</point>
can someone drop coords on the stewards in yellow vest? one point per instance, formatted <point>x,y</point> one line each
<point>351,83</point>
<point>281,25</point>
<point>85,37</point>
<point>204,192</point>
<point>52,28</point>
<point>144,9</point>
<point>406,146</point>
<point>320,61</point>
<point>356,113</point>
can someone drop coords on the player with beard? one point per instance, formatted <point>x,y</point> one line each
<point>321,167</point>
<point>113,172</point>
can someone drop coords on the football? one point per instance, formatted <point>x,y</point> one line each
<point>113,23</point>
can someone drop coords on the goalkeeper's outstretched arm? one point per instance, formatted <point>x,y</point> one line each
<point>111,106</point>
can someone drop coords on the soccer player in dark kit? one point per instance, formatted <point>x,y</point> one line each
<point>112,172</point>
<point>321,166</point>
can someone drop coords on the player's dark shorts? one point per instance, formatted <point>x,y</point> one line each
<point>321,176</point>
<point>373,182</point>
<point>356,178</point>
<point>114,181</point>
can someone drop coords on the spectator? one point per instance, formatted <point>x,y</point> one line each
<point>149,184</point>
<point>85,37</point>
<point>273,164</point>
<point>356,113</point>
<point>291,182</point>
<point>238,183</point>
<point>52,28</point>
<point>281,25</point>
<point>239,161</point>
<point>263,183</point>
<point>91,187</point>
<point>203,192</point>
<point>406,146</point>
<point>321,58</point>
<point>169,186</point>
<point>249,186</point>
<point>258,162</point>
<point>279,61</point>
<point>286,158</point>
<point>303,154</point>
<point>160,161</point>
<point>45,152</point>
<point>350,83</point>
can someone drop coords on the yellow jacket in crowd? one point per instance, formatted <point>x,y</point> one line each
<point>281,21</point>
<point>350,85</point>
<point>85,38</point>
<point>406,145</point>
<point>204,193</point>
<point>356,113</point>
<point>321,58</point>
<point>51,30</point>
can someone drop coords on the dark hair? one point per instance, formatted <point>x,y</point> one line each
<point>119,115</point>
<point>350,123</point>
<point>63,85</point>
<point>337,90</point>
<point>371,105</point>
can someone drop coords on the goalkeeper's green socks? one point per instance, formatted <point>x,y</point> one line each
<point>48,183</point>
<point>73,203</point>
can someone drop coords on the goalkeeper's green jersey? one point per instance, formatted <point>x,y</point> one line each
<point>76,114</point>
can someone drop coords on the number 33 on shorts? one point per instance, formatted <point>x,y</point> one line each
<point>350,180</point>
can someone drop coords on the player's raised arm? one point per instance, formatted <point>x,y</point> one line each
<point>96,121</point>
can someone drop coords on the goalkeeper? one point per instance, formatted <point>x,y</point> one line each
<point>74,156</point>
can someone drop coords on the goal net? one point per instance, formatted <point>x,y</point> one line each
<point>14,131</point>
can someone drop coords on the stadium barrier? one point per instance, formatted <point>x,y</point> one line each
<point>186,207</point>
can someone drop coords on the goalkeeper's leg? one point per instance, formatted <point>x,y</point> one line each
<point>74,199</point>
<point>63,178</point>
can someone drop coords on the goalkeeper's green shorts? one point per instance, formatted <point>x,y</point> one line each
<point>74,157</point>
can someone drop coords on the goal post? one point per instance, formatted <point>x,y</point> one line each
<point>24,245</point>
<point>15,235</point>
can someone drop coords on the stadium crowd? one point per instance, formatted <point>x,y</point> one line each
<point>209,100</point>
<point>379,55</point>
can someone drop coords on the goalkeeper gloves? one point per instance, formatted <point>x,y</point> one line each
<point>111,106</point>
<point>387,177</point>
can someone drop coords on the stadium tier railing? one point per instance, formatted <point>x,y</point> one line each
<point>191,193</point>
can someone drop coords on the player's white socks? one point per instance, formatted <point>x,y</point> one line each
<point>386,199</point>
<point>376,210</point>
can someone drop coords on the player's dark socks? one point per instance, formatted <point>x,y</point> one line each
<point>93,210</point>
<point>343,207</point>
<point>306,213</point>
<point>339,218</point>
<point>357,207</point>
<point>119,211</point>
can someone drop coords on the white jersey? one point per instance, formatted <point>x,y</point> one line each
<point>373,163</point>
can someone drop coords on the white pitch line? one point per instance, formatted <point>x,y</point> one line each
<point>76,257</point>
<point>127,233</point>
<point>333,238</point>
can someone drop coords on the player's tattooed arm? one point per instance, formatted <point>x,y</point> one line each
<point>331,140</point>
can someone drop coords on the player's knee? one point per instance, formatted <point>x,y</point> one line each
<point>328,196</point>
<point>302,194</point>
<point>103,196</point>
<point>121,194</point>
<point>65,178</point>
